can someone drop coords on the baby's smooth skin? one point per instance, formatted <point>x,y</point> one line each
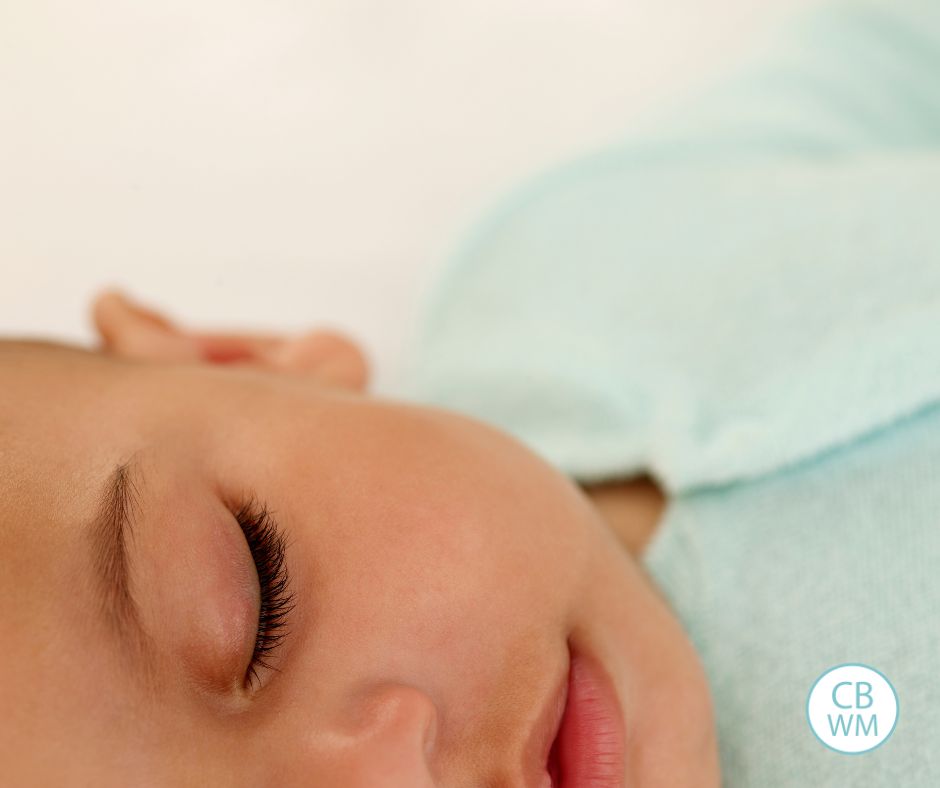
<point>438,570</point>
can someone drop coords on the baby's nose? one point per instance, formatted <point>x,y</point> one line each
<point>392,744</point>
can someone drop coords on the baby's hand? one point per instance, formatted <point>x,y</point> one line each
<point>131,330</point>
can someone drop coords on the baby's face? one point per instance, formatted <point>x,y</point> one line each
<point>438,576</point>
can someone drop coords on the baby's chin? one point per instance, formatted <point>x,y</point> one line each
<point>625,623</point>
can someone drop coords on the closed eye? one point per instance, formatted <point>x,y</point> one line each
<point>268,547</point>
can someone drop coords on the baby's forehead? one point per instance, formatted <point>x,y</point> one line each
<point>40,381</point>
<point>25,346</point>
<point>59,683</point>
<point>20,357</point>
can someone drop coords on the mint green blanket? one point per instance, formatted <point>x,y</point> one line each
<point>746,304</point>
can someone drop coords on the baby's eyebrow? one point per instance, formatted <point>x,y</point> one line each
<point>110,531</point>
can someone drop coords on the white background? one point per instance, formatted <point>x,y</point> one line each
<point>283,164</point>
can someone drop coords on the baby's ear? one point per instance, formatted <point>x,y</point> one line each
<point>329,357</point>
<point>128,329</point>
<point>131,330</point>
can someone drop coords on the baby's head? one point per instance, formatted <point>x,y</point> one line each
<point>257,573</point>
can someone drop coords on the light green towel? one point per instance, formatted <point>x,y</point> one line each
<point>746,303</point>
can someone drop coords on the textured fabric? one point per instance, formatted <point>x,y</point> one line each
<point>777,580</point>
<point>745,302</point>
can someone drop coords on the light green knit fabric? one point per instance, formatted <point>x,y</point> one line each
<point>778,579</point>
<point>746,303</point>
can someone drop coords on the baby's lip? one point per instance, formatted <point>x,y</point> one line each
<point>589,748</point>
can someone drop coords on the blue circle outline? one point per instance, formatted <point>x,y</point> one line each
<point>897,702</point>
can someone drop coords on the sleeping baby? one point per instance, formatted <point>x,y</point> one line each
<point>668,452</point>
<point>225,563</point>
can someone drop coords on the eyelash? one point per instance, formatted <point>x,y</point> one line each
<point>268,546</point>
